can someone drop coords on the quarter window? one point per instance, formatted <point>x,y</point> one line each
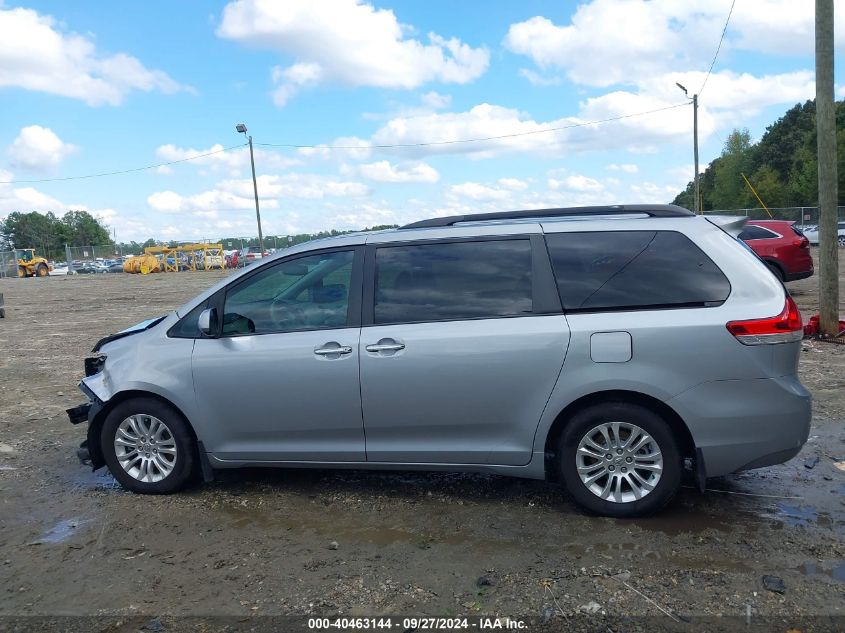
<point>307,293</point>
<point>617,270</point>
<point>454,280</point>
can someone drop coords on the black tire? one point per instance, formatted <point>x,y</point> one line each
<point>776,270</point>
<point>41,271</point>
<point>586,420</point>
<point>186,461</point>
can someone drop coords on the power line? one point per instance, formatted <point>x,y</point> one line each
<point>476,140</point>
<point>123,171</point>
<point>718,48</point>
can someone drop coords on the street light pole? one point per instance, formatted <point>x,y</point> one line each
<point>240,127</point>
<point>696,205</point>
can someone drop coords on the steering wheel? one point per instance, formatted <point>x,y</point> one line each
<point>286,314</point>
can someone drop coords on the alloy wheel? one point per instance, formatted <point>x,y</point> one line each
<point>619,462</point>
<point>145,448</point>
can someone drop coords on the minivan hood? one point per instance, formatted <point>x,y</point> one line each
<point>134,329</point>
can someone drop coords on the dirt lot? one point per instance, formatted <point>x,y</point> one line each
<point>361,543</point>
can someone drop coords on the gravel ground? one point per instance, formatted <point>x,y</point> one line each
<point>259,543</point>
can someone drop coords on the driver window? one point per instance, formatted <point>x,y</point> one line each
<point>307,293</point>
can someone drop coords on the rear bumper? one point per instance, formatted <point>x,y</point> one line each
<point>745,424</point>
<point>799,275</point>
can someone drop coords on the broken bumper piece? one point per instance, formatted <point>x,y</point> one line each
<point>79,413</point>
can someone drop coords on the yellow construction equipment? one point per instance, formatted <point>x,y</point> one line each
<point>30,265</point>
<point>201,256</point>
<point>143,264</point>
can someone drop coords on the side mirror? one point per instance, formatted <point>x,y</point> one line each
<point>207,322</point>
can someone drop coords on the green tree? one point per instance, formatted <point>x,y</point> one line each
<point>783,163</point>
<point>83,229</point>
<point>31,230</point>
<point>768,185</point>
<point>728,185</point>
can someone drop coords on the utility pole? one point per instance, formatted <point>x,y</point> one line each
<point>240,127</point>
<point>826,133</point>
<point>696,204</point>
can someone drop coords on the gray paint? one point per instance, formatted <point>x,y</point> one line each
<point>478,395</point>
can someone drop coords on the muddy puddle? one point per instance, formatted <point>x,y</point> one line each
<point>61,531</point>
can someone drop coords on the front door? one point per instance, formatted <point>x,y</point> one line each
<point>281,383</point>
<point>459,359</point>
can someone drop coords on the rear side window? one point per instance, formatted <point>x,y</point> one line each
<point>618,270</point>
<point>751,232</point>
<point>455,280</point>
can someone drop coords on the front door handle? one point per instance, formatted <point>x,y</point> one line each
<point>385,347</point>
<point>328,351</point>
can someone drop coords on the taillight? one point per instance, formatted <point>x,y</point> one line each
<point>801,242</point>
<point>783,328</point>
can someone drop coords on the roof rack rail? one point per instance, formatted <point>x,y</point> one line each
<point>653,210</point>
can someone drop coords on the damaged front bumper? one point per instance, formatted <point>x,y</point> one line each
<point>89,451</point>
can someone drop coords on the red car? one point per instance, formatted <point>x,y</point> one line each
<point>782,246</point>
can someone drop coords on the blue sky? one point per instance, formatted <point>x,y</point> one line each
<point>90,87</point>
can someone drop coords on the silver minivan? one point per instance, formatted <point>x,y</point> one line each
<point>613,349</point>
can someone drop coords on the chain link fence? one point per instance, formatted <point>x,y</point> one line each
<point>8,264</point>
<point>802,216</point>
<point>88,254</point>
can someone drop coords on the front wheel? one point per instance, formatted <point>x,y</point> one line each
<point>841,240</point>
<point>41,271</point>
<point>148,446</point>
<point>619,459</point>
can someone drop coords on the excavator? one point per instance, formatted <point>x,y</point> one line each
<point>30,265</point>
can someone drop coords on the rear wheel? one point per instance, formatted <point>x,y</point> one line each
<point>620,460</point>
<point>22,271</point>
<point>41,270</point>
<point>841,240</point>
<point>148,447</point>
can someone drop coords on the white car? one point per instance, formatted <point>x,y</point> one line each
<point>812,234</point>
<point>58,272</point>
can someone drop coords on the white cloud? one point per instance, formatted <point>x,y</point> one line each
<point>478,191</point>
<point>39,148</point>
<point>412,171</point>
<point>26,199</point>
<point>435,100</point>
<point>35,54</point>
<point>576,183</point>
<point>232,161</point>
<point>536,79</point>
<point>521,133</point>
<point>238,194</point>
<point>628,168</point>
<point>349,42</point>
<point>514,184</point>
<point>618,42</point>
<point>342,147</point>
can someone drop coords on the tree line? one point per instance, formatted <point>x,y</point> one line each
<point>781,166</point>
<point>48,233</point>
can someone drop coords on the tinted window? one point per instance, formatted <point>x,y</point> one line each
<point>307,293</point>
<point>457,280</point>
<point>188,327</point>
<point>634,269</point>
<point>751,232</point>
